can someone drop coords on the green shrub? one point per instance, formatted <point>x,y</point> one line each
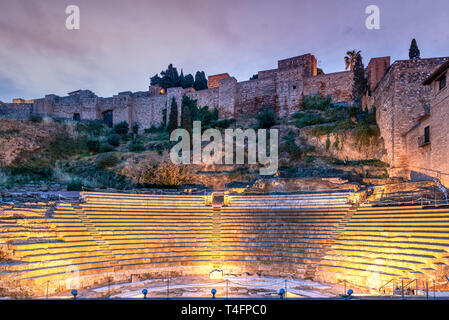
<point>154,129</point>
<point>266,119</point>
<point>316,102</point>
<point>93,146</point>
<point>223,123</point>
<point>122,128</point>
<point>328,143</point>
<point>34,117</point>
<point>136,146</point>
<point>114,140</point>
<point>93,128</point>
<point>365,134</point>
<point>106,147</point>
<point>353,111</point>
<point>35,167</point>
<point>136,128</point>
<point>307,119</point>
<point>75,185</point>
<point>107,160</point>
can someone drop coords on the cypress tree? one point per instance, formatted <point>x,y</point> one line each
<point>200,81</point>
<point>173,117</point>
<point>413,52</point>
<point>360,82</point>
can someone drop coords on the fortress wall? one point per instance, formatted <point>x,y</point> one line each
<point>176,93</point>
<point>207,97</point>
<point>307,63</point>
<point>89,108</point>
<point>227,97</point>
<point>16,110</point>
<point>431,160</point>
<point>376,70</point>
<point>382,100</point>
<point>337,85</point>
<point>289,86</point>
<point>266,73</point>
<point>401,100</point>
<point>148,111</point>
<point>214,81</point>
<point>254,96</point>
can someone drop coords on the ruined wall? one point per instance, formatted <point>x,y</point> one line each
<point>337,85</point>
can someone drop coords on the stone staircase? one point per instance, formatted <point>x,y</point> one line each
<point>102,244</point>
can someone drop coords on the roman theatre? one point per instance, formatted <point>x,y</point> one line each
<point>316,243</point>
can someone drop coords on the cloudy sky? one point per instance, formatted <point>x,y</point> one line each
<point>122,42</point>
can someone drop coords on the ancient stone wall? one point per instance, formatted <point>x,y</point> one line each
<point>289,91</point>
<point>227,97</point>
<point>214,81</point>
<point>306,62</point>
<point>377,67</point>
<point>432,159</point>
<point>254,96</point>
<point>15,110</point>
<point>401,100</point>
<point>207,97</point>
<point>337,85</point>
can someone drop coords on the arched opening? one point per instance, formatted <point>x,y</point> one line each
<point>107,118</point>
<point>76,117</point>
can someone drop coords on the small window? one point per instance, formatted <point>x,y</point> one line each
<point>443,82</point>
<point>76,117</point>
<point>427,134</point>
<point>294,87</point>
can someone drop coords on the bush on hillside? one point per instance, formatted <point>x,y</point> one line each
<point>106,147</point>
<point>34,117</point>
<point>121,128</point>
<point>266,119</point>
<point>136,146</point>
<point>93,146</point>
<point>107,160</point>
<point>114,140</point>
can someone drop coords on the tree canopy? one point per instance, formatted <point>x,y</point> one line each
<point>414,52</point>
<point>360,81</point>
<point>170,78</point>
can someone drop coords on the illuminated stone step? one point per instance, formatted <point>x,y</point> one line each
<point>412,261</point>
<point>349,236</point>
<point>361,271</point>
<point>76,252</point>
<point>388,251</point>
<point>371,267</point>
<point>99,268</point>
<point>117,257</point>
<point>137,195</point>
<point>408,241</point>
<point>400,228</point>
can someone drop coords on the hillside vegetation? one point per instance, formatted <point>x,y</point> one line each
<point>323,139</point>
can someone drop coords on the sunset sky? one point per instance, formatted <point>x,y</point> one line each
<point>122,43</point>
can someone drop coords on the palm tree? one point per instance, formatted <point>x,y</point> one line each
<point>351,57</point>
